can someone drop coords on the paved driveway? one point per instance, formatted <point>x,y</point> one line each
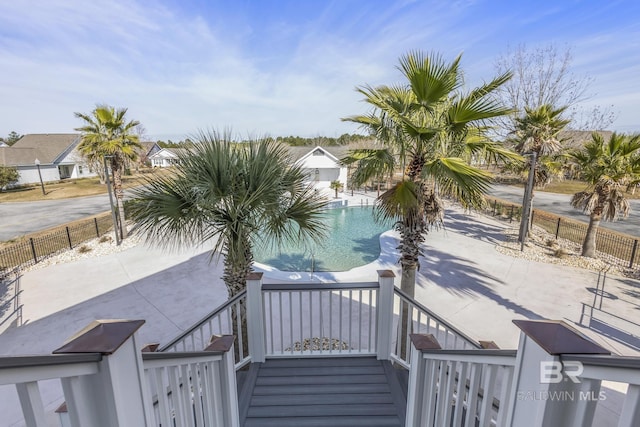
<point>20,218</point>
<point>559,204</point>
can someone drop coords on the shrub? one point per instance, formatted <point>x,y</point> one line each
<point>560,253</point>
<point>105,239</point>
<point>8,175</point>
<point>84,249</point>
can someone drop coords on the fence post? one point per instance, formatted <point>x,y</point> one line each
<point>495,204</point>
<point>511,215</point>
<point>633,253</point>
<point>558,227</point>
<point>384,319</point>
<point>255,318</point>
<point>69,238</point>
<point>33,250</point>
<point>117,394</point>
<point>416,394</point>
<point>531,220</point>
<point>228,379</point>
<point>95,222</point>
<point>540,372</point>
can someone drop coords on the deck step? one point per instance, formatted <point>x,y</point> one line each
<point>354,391</point>
<point>368,421</point>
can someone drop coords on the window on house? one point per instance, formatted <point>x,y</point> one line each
<point>79,170</point>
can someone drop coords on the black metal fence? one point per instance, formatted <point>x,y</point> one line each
<point>622,248</point>
<point>31,250</point>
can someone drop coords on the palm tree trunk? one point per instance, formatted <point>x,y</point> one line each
<point>409,261</point>
<point>235,278</point>
<point>116,168</point>
<point>408,285</point>
<point>589,244</point>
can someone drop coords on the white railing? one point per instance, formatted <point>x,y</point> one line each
<point>335,204</point>
<point>112,383</point>
<point>554,379</point>
<point>414,318</point>
<point>311,320</point>
<point>191,389</point>
<point>588,393</point>
<point>224,320</point>
<point>28,372</point>
<point>460,387</point>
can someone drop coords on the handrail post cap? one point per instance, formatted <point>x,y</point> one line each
<point>101,336</point>
<point>386,273</point>
<point>425,342</point>
<point>556,337</point>
<point>220,343</point>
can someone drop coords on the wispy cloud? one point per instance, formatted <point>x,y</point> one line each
<point>275,68</point>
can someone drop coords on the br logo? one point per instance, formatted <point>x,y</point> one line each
<point>555,372</point>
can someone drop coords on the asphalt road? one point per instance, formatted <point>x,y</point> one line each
<point>17,219</point>
<point>20,218</point>
<point>559,204</point>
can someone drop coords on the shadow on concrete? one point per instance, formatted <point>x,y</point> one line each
<point>467,226</point>
<point>170,301</point>
<point>610,325</point>
<point>615,334</point>
<point>461,276</point>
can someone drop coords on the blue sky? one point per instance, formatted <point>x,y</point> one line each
<point>281,67</point>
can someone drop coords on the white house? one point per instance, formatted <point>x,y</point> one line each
<point>55,154</point>
<point>165,157</point>
<point>321,166</point>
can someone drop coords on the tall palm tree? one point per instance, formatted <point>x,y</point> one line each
<point>233,196</point>
<point>537,131</point>
<point>537,134</point>
<point>107,134</point>
<point>608,167</point>
<point>431,130</point>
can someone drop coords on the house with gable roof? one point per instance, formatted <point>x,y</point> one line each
<point>165,157</point>
<point>56,154</point>
<point>321,164</point>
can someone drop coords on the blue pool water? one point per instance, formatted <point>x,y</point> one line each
<point>353,240</point>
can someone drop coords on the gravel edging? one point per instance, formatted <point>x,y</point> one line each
<point>99,246</point>
<point>542,246</point>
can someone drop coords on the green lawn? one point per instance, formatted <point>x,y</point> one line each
<point>68,189</point>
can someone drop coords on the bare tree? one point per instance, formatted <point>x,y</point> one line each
<point>543,76</point>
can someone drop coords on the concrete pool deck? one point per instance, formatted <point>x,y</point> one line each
<point>462,278</point>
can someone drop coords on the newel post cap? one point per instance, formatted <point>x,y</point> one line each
<point>101,336</point>
<point>556,337</point>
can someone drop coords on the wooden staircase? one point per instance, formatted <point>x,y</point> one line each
<point>321,392</point>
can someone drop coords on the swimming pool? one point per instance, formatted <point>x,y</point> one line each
<point>353,240</point>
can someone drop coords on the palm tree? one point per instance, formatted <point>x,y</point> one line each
<point>432,131</point>
<point>537,131</point>
<point>107,134</point>
<point>608,167</point>
<point>234,196</point>
<point>336,186</point>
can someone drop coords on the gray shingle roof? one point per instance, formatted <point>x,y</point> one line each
<point>339,151</point>
<point>45,147</point>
